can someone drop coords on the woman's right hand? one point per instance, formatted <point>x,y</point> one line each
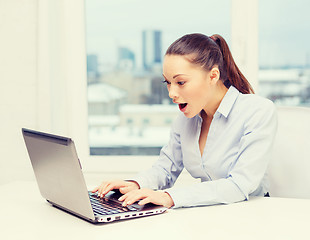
<point>123,186</point>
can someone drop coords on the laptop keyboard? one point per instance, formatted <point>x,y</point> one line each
<point>107,207</point>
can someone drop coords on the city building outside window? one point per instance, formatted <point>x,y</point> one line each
<point>284,52</point>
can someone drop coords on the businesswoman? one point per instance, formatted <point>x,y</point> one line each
<point>223,135</point>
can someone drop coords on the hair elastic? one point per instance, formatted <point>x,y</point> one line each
<point>213,38</point>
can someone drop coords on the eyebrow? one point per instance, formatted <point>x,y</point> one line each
<point>177,75</point>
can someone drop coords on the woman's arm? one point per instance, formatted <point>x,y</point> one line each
<point>169,165</point>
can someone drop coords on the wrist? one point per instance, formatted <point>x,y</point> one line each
<point>169,200</point>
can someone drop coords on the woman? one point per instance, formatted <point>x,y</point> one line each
<point>224,135</point>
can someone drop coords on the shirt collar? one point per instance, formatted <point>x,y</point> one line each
<point>228,101</point>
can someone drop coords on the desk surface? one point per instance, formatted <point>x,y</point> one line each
<point>24,214</point>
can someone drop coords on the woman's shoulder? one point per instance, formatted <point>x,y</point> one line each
<point>251,105</point>
<point>255,102</point>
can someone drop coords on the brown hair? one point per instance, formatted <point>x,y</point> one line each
<point>209,52</point>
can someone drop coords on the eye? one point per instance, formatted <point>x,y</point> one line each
<point>166,81</point>
<point>181,83</point>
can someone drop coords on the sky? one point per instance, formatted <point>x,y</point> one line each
<point>284,26</point>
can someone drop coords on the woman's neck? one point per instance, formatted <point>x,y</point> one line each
<point>219,93</point>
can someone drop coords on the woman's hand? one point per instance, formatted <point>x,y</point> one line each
<point>123,186</point>
<point>147,196</point>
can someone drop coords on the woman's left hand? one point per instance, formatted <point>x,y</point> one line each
<point>147,196</point>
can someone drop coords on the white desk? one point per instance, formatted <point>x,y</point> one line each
<point>24,214</point>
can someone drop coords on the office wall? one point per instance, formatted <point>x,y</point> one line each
<point>18,84</point>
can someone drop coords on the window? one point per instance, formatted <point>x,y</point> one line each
<point>284,53</point>
<point>130,112</point>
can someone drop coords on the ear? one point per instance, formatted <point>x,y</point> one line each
<point>214,75</point>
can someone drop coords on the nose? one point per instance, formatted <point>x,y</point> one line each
<point>173,92</point>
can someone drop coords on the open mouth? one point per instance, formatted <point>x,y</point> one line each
<point>182,106</point>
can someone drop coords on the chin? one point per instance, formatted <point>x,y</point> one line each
<point>189,115</point>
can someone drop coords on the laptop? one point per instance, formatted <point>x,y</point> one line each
<point>60,179</point>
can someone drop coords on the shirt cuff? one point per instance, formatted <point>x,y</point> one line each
<point>141,182</point>
<point>175,195</point>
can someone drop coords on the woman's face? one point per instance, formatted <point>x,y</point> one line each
<point>189,85</point>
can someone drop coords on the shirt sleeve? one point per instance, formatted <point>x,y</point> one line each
<point>255,149</point>
<point>167,168</point>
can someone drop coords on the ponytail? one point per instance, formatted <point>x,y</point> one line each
<point>234,75</point>
<point>209,52</point>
